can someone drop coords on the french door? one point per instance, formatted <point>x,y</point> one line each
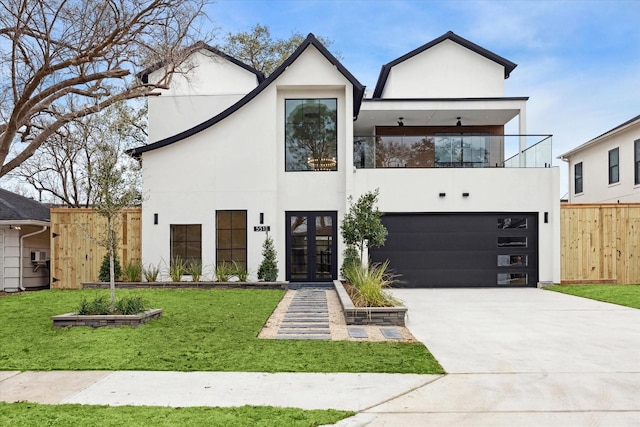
<point>311,246</point>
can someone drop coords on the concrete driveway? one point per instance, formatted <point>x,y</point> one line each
<point>525,357</point>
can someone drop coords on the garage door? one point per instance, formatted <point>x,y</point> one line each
<point>461,250</point>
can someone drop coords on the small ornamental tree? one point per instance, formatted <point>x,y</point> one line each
<point>361,226</point>
<point>268,270</point>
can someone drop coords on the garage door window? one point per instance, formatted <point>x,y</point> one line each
<point>512,278</point>
<point>512,241</point>
<point>512,260</point>
<point>505,223</point>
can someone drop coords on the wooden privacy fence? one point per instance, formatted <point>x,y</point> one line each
<point>75,254</point>
<point>600,243</point>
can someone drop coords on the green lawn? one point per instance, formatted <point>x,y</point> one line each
<point>200,330</point>
<point>627,295</point>
<point>30,414</point>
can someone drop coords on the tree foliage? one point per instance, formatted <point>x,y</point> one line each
<point>88,50</point>
<point>268,269</point>
<point>361,227</point>
<point>260,50</point>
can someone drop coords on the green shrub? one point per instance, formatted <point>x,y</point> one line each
<point>177,269</point>
<point>369,283</point>
<point>195,270</point>
<point>133,271</point>
<point>240,271</point>
<point>130,305</point>
<point>268,270</point>
<point>151,273</point>
<point>350,256</point>
<point>98,305</point>
<point>224,271</point>
<point>104,275</point>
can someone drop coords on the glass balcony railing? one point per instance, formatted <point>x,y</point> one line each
<point>451,151</point>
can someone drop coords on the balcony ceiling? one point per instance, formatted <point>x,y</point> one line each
<point>472,112</point>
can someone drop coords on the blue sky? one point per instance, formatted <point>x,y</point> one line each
<point>578,61</point>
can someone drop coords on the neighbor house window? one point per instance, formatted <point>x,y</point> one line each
<point>311,134</point>
<point>231,237</point>
<point>186,243</point>
<point>636,160</point>
<point>577,178</point>
<point>614,166</point>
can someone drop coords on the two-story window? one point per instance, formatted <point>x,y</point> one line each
<point>614,165</point>
<point>311,134</point>
<point>577,178</point>
<point>636,161</point>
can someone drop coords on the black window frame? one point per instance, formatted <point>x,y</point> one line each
<point>614,168</point>
<point>636,161</point>
<point>578,178</point>
<point>331,156</point>
<point>188,231</point>
<point>238,245</point>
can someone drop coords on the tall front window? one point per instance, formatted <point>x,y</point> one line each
<point>311,142</point>
<point>231,237</point>
<point>636,160</point>
<point>186,242</point>
<point>577,178</point>
<point>614,166</point>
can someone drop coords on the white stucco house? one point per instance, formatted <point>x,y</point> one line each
<point>233,154</point>
<point>24,243</point>
<point>606,169</point>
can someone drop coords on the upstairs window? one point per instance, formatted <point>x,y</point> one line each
<point>311,142</point>
<point>636,160</point>
<point>614,166</point>
<point>577,178</point>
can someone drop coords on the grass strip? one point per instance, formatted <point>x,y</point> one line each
<point>33,414</point>
<point>200,330</point>
<point>627,295</point>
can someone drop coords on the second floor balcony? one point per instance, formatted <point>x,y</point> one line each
<point>452,151</point>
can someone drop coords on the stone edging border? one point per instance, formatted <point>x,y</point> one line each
<point>108,320</point>
<point>187,285</point>
<point>380,316</point>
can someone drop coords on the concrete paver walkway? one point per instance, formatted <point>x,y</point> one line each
<point>307,317</point>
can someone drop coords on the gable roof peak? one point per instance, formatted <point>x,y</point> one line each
<point>449,35</point>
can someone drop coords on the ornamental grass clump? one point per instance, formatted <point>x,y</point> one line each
<point>100,306</point>
<point>369,283</point>
<point>240,271</point>
<point>132,271</point>
<point>177,269</point>
<point>151,273</point>
<point>224,271</point>
<point>195,270</point>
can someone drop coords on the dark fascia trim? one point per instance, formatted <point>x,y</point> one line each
<point>566,155</point>
<point>358,93</point>
<point>144,75</point>
<point>510,98</point>
<point>450,35</point>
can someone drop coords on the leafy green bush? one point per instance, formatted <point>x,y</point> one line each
<point>240,271</point>
<point>100,305</point>
<point>268,270</point>
<point>224,271</point>
<point>151,273</point>
<point>133,271</point>
<point>177,268</point>
<point>350,256</point>
<point>369,283</point>
<point>130,305</point>
<point>195,270</point>
<point>104,275</point>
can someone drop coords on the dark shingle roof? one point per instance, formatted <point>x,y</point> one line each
<point>19,208</point>
<point>450,35</point>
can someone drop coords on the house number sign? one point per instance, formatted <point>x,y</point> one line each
<point>261,228</point>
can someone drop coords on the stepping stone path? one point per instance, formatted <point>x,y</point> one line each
<point>307,317</point>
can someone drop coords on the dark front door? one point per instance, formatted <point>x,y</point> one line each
<point>311,246</point>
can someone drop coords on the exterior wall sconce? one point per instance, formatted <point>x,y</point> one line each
<point>400,121</point>
<point>442,194</point>
<point>261,218</point>
<point>465,194</point>
<point>546,217</point>
<point>155,219</point>
<point>459,123</point>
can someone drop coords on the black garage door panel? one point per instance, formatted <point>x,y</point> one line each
<point>461,250</point>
